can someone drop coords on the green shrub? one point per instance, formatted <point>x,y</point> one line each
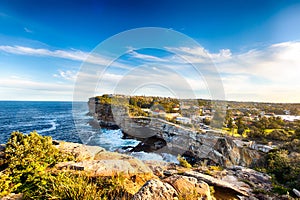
<point>285,169</point>
<point>27,158</point>
<point>27,169</point>
<point>183,162</point>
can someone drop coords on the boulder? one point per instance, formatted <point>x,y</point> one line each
<point>189,187</point>
<point>79,151</point>
<point>160,167</point>
<point>109,164</point>
<point>156,190</point>
<point>217,182</point>
<point>251,177</point>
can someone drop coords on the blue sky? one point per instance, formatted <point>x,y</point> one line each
<point>253,44</point>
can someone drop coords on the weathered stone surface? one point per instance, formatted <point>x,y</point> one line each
<point>109,164</point>
<point>254,178</point>
<point>189,187</point>
<point>173,138</point>
<point>159,167</point>
<point>156,190</point>
<point>217,182</point>
<point>79,151</point>
<point>13,196</point>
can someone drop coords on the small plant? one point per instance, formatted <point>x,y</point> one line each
<point>216,168</point>
<point>186,194</point>
<point>183,162</point>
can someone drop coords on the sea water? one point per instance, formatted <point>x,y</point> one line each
<point>64,121</point>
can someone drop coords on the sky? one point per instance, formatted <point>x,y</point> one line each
<point>246,50</point>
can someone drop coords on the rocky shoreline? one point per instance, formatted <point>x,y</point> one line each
<point>157,135</point>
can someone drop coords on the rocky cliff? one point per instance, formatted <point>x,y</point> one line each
<point>161,136</point>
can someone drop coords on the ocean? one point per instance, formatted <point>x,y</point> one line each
<point>61,122</point>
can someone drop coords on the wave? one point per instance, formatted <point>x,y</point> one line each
<point>52,128</point>
<point>154,156</point>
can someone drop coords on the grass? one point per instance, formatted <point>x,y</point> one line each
<point>28,168</point>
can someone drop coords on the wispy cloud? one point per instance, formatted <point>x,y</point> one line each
<point>72,54</point>
<point>66,75</point>
<point>264,74</point>
<point>21,50</point>
<point>146,57</point>
<point>27,30</point>
<point>22,83</point>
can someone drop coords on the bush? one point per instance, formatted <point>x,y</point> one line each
<point>27,169</point>
<point>285,169</point>
<point>27,158</point>
<point>183,162</point>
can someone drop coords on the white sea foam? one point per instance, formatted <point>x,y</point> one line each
<point>154,156</point>
<point>52,128</point>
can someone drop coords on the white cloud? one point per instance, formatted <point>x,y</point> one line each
<point>267,74</point>
<point>67,75</point>
<point>21,50</point>
<point>145,57</point>
<point>27,30</point>
<point>200,54</point>
<point>22,83</point>
<point>18,88</point>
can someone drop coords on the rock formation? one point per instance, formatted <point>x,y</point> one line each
<point>158,135</point>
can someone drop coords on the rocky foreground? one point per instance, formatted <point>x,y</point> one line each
<point>162,180</point>
<point>159,180</point>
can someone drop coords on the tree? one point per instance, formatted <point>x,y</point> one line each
<point>240,125</point>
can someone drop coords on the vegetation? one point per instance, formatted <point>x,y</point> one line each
<point>183,162</point>
<point>250,120</point>
<point>27,168</point>
<point>285,169</point>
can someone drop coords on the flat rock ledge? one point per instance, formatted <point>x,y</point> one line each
<point>245,190</point>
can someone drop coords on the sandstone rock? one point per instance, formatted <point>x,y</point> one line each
<point>188,187</point>
<point>79,151</point>
<point>150,144</point>
<point>173,138</point>
<point>159,167</point>
<point>156,190</point>
<point>217,182</point>
<point>170,172</point>
<point>13,196</point>
<point>254,178</point>
<point>109,164</point>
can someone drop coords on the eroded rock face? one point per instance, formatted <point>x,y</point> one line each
<point>218,149</point>
<point>189,187</point>
<point>156,190</point>
<point>254,178</point>
<point>217,182</point>
<point>174,139</point>
<point>79,151</point>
